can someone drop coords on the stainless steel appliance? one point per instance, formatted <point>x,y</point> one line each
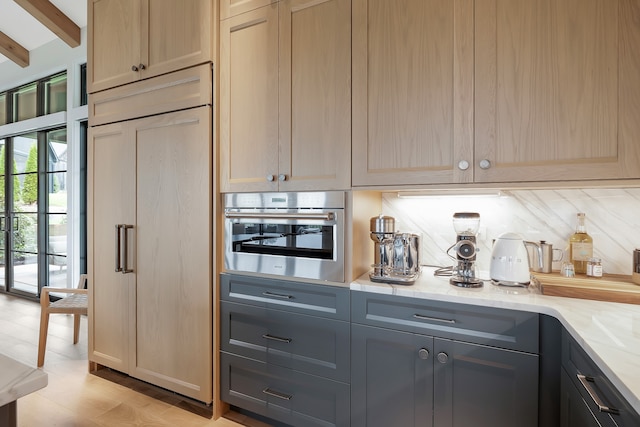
<point>299,235</point>
<point>396,255</point>
<point>466,225</point>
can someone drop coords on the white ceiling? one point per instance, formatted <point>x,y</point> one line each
<point>18,24</point>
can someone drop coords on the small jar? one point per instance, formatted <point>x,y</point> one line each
<point>594,267</point>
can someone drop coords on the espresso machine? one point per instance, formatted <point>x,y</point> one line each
<point>466,225</point>
<point>396,255</point>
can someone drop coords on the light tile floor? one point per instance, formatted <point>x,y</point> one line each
<point>73,397</point>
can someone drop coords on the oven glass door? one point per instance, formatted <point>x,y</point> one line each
<point>300,243</point>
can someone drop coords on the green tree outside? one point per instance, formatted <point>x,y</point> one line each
<point>16,181</point>
<point>30,186</point>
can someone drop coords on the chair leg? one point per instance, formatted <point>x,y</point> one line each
<point>42,343</point>
<point>76,328</point>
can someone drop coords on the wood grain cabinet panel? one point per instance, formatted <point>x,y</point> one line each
<point>286,97</point>
<point>412,91</point>
<point>154,322</point>
<point>556,90</point>
<point>129,40</point>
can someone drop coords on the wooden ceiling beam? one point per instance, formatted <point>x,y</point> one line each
<point>52,18</point>
<point>14,51</point>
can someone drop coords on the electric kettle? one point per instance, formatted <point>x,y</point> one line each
<point>509,261</point>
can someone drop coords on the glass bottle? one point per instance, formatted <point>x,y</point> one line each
<point>580,246</point>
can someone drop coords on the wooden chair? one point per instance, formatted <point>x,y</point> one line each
<point>76,303</point>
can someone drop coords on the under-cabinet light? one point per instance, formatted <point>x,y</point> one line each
<point>422,194</point>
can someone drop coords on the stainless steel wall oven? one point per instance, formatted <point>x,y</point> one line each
<point>300,235</point>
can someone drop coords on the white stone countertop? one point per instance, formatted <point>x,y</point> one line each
<point>18,380</point>
<point>609,332</point>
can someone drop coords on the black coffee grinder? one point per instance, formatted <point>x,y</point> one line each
<point>466,225</point>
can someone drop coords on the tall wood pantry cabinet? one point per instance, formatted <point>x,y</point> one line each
<point>285,96</point>
<point>495,91</point>
<point>150,249</point>
<point>150,192</point>
<point>130,40</point>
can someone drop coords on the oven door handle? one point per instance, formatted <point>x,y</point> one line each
<point>329,216</point>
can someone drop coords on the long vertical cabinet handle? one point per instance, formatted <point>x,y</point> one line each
<point>118,258</point>
<point>126,268</point>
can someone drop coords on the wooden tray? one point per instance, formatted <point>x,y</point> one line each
<point>610,287</point>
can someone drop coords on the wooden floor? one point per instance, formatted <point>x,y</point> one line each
<point>74,397</point>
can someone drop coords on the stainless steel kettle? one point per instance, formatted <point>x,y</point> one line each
<point>509,261</point>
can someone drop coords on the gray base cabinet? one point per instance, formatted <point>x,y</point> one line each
<point>400,377</point>
<point>285,350</point>
<point>587,396</point>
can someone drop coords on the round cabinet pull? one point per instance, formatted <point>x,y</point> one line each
<point>442,357</point>
<point>142,66</point>
<point>270,178</point>
<point>423,353</point>
<point>463,165</point>
<point>485,164</point>
<point>282,177</point>
<point>134,68</point>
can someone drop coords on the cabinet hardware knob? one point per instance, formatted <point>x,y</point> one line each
<point>442,357</point>
<point>270,178</point>
<point>282,177</point>
<point>142,67</point>
<point>463,165</point>
<point>423,354</point>
<point>134,68</point>
<point>485,164</point>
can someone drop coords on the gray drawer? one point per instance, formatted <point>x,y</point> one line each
<point>298,297</point>
<point>510,329</point>
<point>310,344</point>
<point>575,361</point>
<point>283,394</point>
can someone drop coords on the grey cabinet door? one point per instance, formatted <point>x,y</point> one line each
<point>391,378</point>
<point>574,411</point>
<point>484,386</point>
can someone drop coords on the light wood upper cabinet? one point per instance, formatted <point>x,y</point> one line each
<point>412,91</point>
<point>249,101</point>
<point>130,40</point>
<point>495,91</point>
<point>285,97</point>
<point>557,89</point>
<point>229,8</point>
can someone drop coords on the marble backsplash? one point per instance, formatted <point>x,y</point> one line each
<point>612,219</point>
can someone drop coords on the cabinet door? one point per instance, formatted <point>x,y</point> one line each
<point>113,43</point>
<point>574,411</point>
<point>556,90</point>
<point>229,8</point>
<point>111,201</point>
<point>249,101</point>
<point>175,35</point>
<point>412,91</point>
<point>391,378</point>
<point>478,385</point>
<point>315,95</point>
<point>172,344</point>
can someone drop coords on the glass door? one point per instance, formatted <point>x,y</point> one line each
<point>33,215</point>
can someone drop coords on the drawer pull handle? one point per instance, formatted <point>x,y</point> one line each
<point>585,381</point>
<point>434,319</point>
<point>274,338</point>
<point>272,295</point>
<point>277,394</point>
